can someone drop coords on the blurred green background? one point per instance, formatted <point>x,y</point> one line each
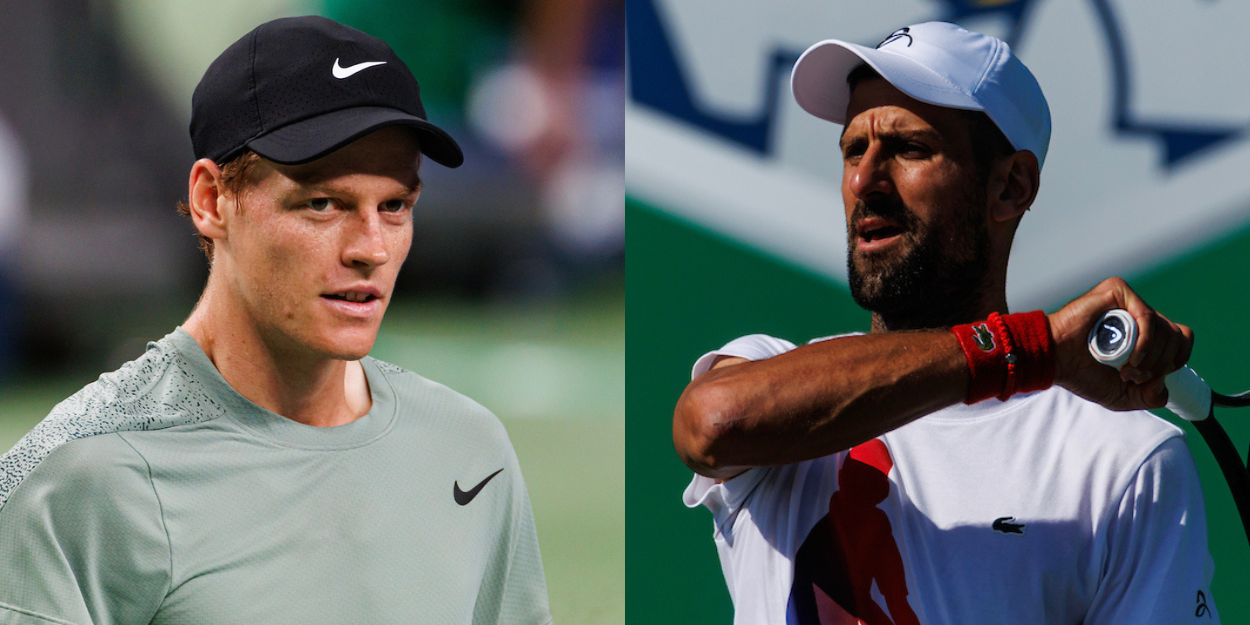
<point>512,294</point>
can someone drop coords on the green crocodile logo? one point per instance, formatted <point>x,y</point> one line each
<point>983,337</point>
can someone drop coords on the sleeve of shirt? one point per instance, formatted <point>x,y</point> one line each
<point>516,589</point>
<point>82,540</point>
<point>1158,568</point>
<point>750,347</point>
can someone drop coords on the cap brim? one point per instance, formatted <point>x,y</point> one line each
<point>313,138</point>
<point>819,79</point>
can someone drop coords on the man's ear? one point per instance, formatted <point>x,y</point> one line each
<point>206,198</point>
<point>1013,185</point>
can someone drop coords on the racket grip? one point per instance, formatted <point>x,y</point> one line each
<point>1111,340</point>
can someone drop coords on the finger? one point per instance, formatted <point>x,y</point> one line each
<point>1174,344</point>
<point>1167,356</point>
<point>1186,347</point>
<point>1156,393</point>
<point>1155,357</point>
<point>1145,318</point>
<point>1111,390</point>
<point>1146,396</point>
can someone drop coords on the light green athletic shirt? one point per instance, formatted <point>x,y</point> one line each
<point>158,494</point>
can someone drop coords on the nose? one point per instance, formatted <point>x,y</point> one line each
<point>366,244</point>
<point>869,175</point>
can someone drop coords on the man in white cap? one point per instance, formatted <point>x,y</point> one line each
<point>958,464</point>
<point>255,465</point>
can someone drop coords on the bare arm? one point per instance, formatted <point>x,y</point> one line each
<point>814,400</point>
<point>822,398</point>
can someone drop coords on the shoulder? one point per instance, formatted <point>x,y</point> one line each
<point>83,474</point>
<point>81,493</point>
<point>152,392</point>
<point>1136,430</point>
<point>85,531</point>
<point>1102,446</point>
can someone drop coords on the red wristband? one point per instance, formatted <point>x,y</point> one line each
<point>985,360</point>
<point>1007,354</point>
<point>1034,351</point>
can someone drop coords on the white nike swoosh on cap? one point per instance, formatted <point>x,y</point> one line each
<point>344,72</point>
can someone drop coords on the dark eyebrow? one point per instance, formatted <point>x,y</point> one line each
<point>919,134</point>
<point>842,140</point>
<point>892,136</point>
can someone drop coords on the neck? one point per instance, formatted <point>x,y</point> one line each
<point>308,388</point>
<point>955,303</point>
<point>937,316</point>
<point>936,312</point>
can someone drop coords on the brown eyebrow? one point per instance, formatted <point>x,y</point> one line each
<point>318,185</point>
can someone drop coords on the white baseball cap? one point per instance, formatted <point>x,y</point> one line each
<point>938,63</point>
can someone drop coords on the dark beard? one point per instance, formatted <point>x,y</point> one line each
<point>939,282</point>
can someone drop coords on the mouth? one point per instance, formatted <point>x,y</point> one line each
<point>357,303</point>
<point>358,297</point>
<point>874,233</point>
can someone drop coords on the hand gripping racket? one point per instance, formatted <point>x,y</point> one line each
<point>1111,341</point>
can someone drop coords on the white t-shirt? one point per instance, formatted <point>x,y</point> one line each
<point>1043,509</point>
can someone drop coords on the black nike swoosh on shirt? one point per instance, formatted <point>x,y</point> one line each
<point>464,497</point>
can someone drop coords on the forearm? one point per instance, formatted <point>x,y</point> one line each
<point>829,396</point>
<point>815,400</point>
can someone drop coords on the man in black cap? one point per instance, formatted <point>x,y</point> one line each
<point>255,465</point>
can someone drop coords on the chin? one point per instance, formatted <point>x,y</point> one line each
<point>352,344</point>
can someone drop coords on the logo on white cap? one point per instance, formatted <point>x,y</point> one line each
<point>896,35</point>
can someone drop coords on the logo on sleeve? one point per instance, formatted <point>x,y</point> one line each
<point>1202,609</point>
<point>464,497</point>
<point>1004,525</point>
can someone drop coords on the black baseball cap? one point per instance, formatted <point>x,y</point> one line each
<point>297,88</point>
